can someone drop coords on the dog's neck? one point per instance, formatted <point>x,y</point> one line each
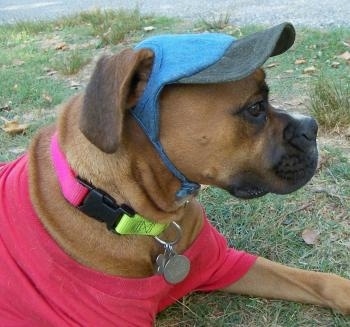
<point>134,174</point>
<point>98,204</point>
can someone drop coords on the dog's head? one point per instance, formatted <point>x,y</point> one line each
<point>209,119</point>
<point>230,136</point>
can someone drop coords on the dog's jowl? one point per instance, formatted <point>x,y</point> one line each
<point>99,221</point>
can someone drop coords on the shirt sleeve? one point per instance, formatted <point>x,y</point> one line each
<point>214,265</point>
<point>220,265</point>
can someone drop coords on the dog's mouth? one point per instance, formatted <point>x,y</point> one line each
<point>247,186</point>
<point>290,174</point>
<point>297,169</point>
<point>247,191</point>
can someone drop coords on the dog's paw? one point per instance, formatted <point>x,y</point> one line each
<point>337,293</point>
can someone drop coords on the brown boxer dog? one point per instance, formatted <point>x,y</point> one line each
<point>221,133</point>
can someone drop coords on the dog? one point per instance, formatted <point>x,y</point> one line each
<point>99,221</point>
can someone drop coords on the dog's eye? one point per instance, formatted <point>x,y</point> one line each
<point>256,113</point>
<point>257,109</point>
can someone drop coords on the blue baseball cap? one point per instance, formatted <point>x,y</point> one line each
<point>202,59</point>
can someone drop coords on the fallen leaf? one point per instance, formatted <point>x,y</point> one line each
<point>6,107</point>
<point>335,64</point>
<point>17,62</point>
<point>62,46</point>
<point>309,70</point>
<point>74,85</point>
<point>51,72</point>
<point>310,236</point>
<point>300,62</point>
<point>345,56</point>
<point>149,28</point>
<point>294,103</point>
<point>232,30</point>
<point>273,64</point>
<point>13,127</point>
<point>47,97</point>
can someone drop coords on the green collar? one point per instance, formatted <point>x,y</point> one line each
<point>139,225</point>
<point>119,218</point>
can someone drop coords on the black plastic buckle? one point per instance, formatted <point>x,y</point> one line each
<point>101,206</point>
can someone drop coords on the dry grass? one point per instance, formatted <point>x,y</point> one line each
<point>330,103</point>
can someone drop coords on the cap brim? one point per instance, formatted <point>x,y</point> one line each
<point>245,55</point>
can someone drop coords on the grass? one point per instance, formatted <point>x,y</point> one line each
<point>71,63</point>
<point>330,103</point>
<point>40,60</point>
<point>318,49</point>
<point>272,227</point>
<point>110,26</point>
<point>216,22</point>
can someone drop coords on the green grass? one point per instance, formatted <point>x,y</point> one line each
<point>270,226</point>
<point>71,63</point>
<point>215,22</point>
<point>111,27</point>
<point>330,103</point>
<point>320,49</point>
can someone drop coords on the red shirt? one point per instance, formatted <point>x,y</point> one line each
<point>40,285</point>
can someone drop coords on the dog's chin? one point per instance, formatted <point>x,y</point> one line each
<point>247,186</point>
<point>247,191</point>
<point>288,175</point>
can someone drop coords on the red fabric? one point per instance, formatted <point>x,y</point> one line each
<point>42,286</point>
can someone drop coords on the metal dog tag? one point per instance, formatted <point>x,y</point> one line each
<point>176,269</point>
<point>160,263</point>
<point>162,259</point>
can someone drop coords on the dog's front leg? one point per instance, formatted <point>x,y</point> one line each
<point>275,281</point>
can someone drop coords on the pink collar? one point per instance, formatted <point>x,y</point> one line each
<point>72,190</point>
<point>98,204</point>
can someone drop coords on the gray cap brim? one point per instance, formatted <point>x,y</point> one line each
<point>245,55</point>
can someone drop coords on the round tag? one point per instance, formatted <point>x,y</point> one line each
<point>176,269</point>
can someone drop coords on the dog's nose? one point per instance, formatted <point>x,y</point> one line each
<point>301,131</point>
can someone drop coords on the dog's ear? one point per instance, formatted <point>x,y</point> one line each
<point>115,86</point>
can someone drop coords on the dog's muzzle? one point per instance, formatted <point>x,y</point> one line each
<point>295,161</point>
<point>292,159</point>
<point>298,162</point>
